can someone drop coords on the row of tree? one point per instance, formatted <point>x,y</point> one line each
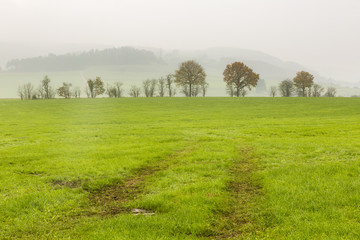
<point>303,86</point>
<point>190,78</point>
<point>164,86</point>
<point>161,87</point>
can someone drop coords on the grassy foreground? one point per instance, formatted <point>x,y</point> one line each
<point>201,168</point>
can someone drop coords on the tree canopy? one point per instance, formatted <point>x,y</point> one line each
<point>239,76</point>
<point>95,87</point>
<point>190,76</point>
<point>286,88</point>
<point>303,82</point>
<point>64,90</point>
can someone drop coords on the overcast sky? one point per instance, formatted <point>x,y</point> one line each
<point>321,34</point>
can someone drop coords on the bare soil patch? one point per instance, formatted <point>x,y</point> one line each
<point>112,199</point>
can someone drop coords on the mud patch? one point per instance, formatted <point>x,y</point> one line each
<point>111,200</point>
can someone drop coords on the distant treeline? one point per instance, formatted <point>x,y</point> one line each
<point>190,77</point>
<point>78,61</point>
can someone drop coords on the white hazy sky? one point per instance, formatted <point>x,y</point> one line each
<point>321,34</point>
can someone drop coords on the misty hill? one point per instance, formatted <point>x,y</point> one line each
<point>78,61</point>
<point>131,66</point>
<point>214,60</point>
<point>21,50</point>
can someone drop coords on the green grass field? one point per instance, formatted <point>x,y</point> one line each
<point>200,168</point>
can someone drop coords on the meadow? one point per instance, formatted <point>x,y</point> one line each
<point>180,168</point>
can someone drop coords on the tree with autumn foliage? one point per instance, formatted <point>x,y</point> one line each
<point>64,90</point>
<point>303,82</point>
<point>191,76</point>
<point>238,76</point>
<point>95,87</point>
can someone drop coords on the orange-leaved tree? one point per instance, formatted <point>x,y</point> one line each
<point>238,76</point>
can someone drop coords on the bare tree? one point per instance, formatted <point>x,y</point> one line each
<point>134,91</point>
<point>76,92</point>
<point>196,90</point>
<point>46,87</point>
<point>286,88</point>
<point>153,87</point>
<point>26,92</point>
<point>273,91</point>
<point>230,90</point>
<point>29,91</point>
<point>149,87</point>
<point>21,92</point>
<point>46,91</point>
<point>87,91</point>
<point>161,87</point>
<point>40,93</point>
<point>170,85</point>
<point>114,91</point>
<point>317,90</point>
<point>110,91</point>
<point>330,92</point>
<point>146,87</point>
<point>204,88</point>
<point>119,89</point>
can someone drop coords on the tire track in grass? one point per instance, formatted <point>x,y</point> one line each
<point>239,221</point>
<point>111,200</point>
<point>233,221</point>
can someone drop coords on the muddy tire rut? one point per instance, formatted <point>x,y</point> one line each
<point>111,200</point>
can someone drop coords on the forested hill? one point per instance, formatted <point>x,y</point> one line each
<point>78,61</point>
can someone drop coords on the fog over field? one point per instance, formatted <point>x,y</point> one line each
<point>320,36</point>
